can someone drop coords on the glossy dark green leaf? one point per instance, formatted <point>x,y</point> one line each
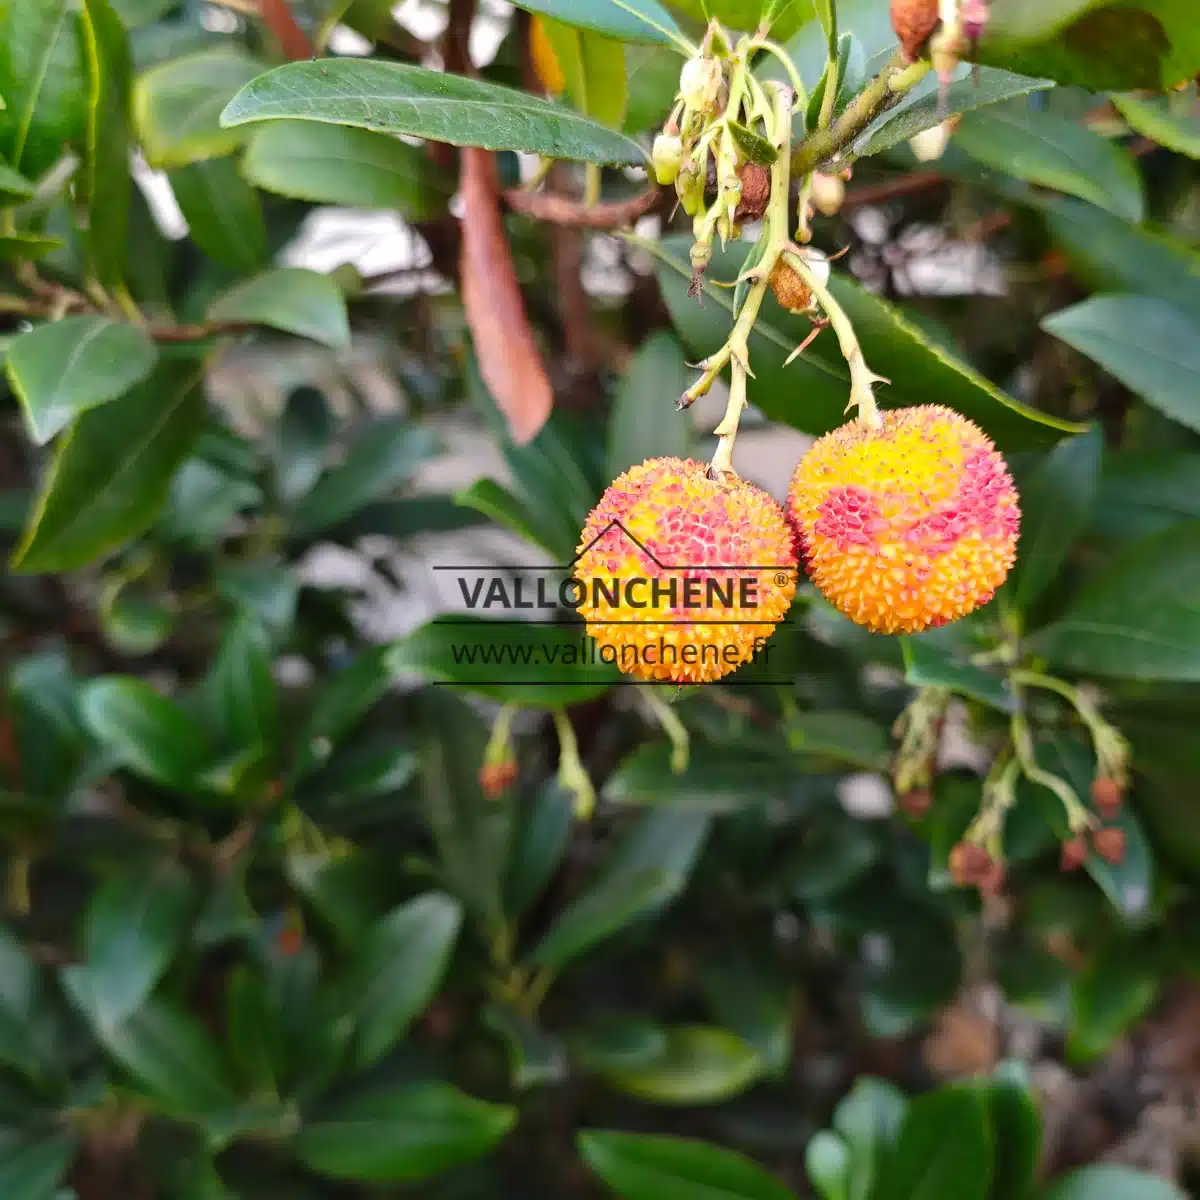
<point>535,1058</point>
<point>647,870</point>
<point>292,299</point>
<point>643,423</point>
<point>713,781</point>
<point>626,20</point>
<point>1135,619</point>
<point>1146,342</point>
<point>811,393</point>
<point>241,689</point>
<point>147,732</point>
<point>338,706</point>
<point>402,1135</point>
<point>845,737</point>
<point>163,1047</point>
<point>64,367</point>
<point>1016,1133</point>
<point>1056,503</point>
<point>944,1149</point>
<point>827,1162</point>
<point>347,893</point>
<point>112,469</point>
<point>399,99</point>
<point>1113,993</point>
<point>223,213</point>
<point>1104,1181</point>
<point>254,1033</point>
<point>383,456</point>
<point>513,660</point>
<point>27,1039</point>
<point>929,665</point>
<point>397,971</point>
<point>108,183</point>
<point>13,186</point>
<point>204,503</point>
<point>496,502</point>
<point>263,591</point>
<point>135,619</point>
<point>376,765</point>
<point>654,1167</point>
<point>698,1065</point>
<point>373,170</point>
<point>1054,152</point>
<point>836,852</point>
<point>963,96</point>
<point>33,1164</point>
<point>1169,120</point>
<point>303,442</point>
<point>43,702</point>
<point>178,104</point>
<point>868,1120</point>
<point>42,80</point>
<point>754,1000</point>
<point>539,845</point>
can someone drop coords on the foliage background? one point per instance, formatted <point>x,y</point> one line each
<point>265,935</point>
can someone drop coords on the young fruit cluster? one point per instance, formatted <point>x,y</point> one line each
<point>903,527</point>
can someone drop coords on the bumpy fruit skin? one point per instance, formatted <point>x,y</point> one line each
<point>914,22</point>
<point>909,526</point>
<point>691,528</point>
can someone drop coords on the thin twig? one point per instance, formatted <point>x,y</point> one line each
<point>557,209</point>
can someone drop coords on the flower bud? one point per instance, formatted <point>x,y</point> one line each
<point>1074,854</point>
<point>690,188</point>
<point>930,144</point>
<point>700,83</point>
<point>828,193</point>
<point>1110,844</point>
<point>667,157</point>
<point>1106,796</point>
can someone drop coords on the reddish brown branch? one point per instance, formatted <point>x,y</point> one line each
<point>280,20</point>
<point>565,210</point>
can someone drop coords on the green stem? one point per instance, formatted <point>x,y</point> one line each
<point>591,191</point>
<point>1079,820</point>
<point>862,378</point>
<point>880,94</point>
<point>790,67</point>
<point>672,726</point>
<point>572,775</point>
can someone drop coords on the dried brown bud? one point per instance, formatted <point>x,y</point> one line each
<point>790,290</point>
<point>914,22</point>
<point>1074,854</point>
<point>1106,796</point>
<point>1110,844</point>
<point>917,802</point>
<point>756,191</point>
<point>496,778</point>
<point>969,864</point>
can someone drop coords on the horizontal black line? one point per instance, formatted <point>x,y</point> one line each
<point>476,622</point>
<point>622,681</point>
<point>662,566</point>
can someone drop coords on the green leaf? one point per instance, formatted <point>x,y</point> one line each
<point>652,1167</point>
<point>1151,44</point>
<point>593,68</point>
<point>827,1162</point>
<point>51,737</point>
<point>836,853</point>
<point>1016,1133</point>
<point>223,213</point>
<point>647,871</point>
<point>337,164</point>
<point>13,186</point>
<point>714,781</point>
<point>64,367</point>
<point>177,106</point>
<point>625,20</point>
<point>1169,120</point>
<point>643,423</point>
<point>535,1058</point>
<point>399,99</point>
<point>1054,152</point>
<point>1146,342</point>
<point>133,929</point>
<point>514,660</point>
<point>868,1120</point>
<point>698,1065</point>
<point>42,82</point>
<point>652,81</point>
<point>148,733</point>
<point>17,246</point>
<point>398,970</point>
<point>943,1149</point>
<point>927,664</point>
<point>488,497</point>
<point>33,1164</point>
<point>963,96</point>
<point>1055,505</point>
<point>28,1041</point>
<point>1104,1182</point>
<point>1114,992</point>
<point>112,470</point>
<point>338,707</point>
<point>383,456</point>
<point>304,437</point>
<point>254,1031</point>
<point>538,847</point>
<point>845,737</point>
<point>404,1135</point>
<point>108,183</point>
<point>811,393</point>
<point>203,501</point>
<point>1135,619</point>
<point>134,13</point>
<point>785,16</point>
<point>241,689</point>
<point>754,1000</point>
<point>292,299</point>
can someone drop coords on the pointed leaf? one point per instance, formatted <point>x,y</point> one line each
<point>400,99</point>
<point>1103,1181</point>
<point>1169,120</point>
<point>223,213</point>
<point>943,1150</point>
<point>626,20</point>
<point>32,1164</point>
<point>64,367</point>
<point>292,299</point>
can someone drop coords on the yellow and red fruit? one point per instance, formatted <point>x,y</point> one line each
<point>682,578</point>
<point>907,526</point>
